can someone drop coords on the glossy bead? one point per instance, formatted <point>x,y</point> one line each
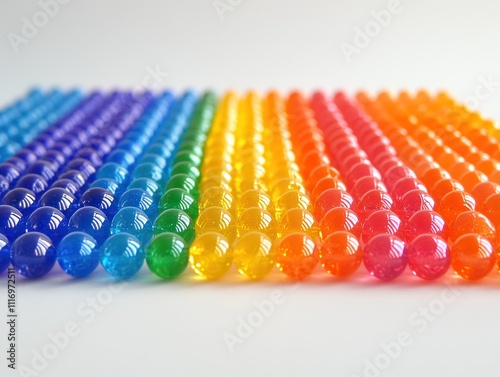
<point>470,179</point>
<point>76,176</point>
<point>179,199</point>
<point>100,198</point>
<point>429,256</point>
<point>472,256</point>
<point>254,198</point>
<point>175,221</point>
<point>134,221</point>
<point>297,255</point>
<point>61,199</point>
<point>185,182</point>
<point>216,219</point>
<point>186,168</point>
<point>108,184</point>
<point>340,254</point>
<point>121,157</point>
<point>78,254</point>
<point>340,219</point>
<point>297,220</point>
<point>482,191</point>
<point>454,203</point>
<point>156,159</point>
<point>443,187</point>
<point>82,165</point>
<point>382,222</point>
<point>254,255</point>
<point>331,198</point>
<point>210,255</point>
<point>33,255</point>
<point>4,187</point>
<point>423,222</point>
<point>414,201</point>
<point>92,221</point>
<point>385,256</point>
<point>68,185</point>
<point>292,199</point>
<point>167,255</point>
<point>49,221</point>
<point>33,182</point>
<point>10,173</point>
<point>139,198</point>
<point>114,171</point>
<point>44,168</point>
<point>325,184</point>
<point>146,184</point>
<point>258,220</point>
<point>394,174</point>
<point>491,208</point>
<point>122,255</point>
<point>148,170</point>
<point>472,222</point>
<point>372,201</point>
<point>405,185</point>
<point>22,199</point>
<point>4,253</point>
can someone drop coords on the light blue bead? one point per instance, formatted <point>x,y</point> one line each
<point>139,198</point>
<point>122,157</point>
<point>148,170</point>
<point>78,254</point>
<point>134,221</point>
<point>147,184</point>
<point>122,255</point>
<point>114,171</point>
<point>108,184</point>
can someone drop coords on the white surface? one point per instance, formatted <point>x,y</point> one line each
<point>324,327</point>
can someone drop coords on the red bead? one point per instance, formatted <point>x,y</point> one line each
<point>385,256</point>
<point>423,222</point>
<point>414,201</point>
<point>429,256</point>
<point>365,184</point>
<point>405,185</point>
<point>372,201</point>
<point>325,184</point>
<point>361,170</point>
<point>395,174</point>
<point>382,222</point>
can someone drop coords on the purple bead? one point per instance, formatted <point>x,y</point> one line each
<point>22,199</point>
<point>33,182</point>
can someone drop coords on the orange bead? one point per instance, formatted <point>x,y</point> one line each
<point>298,220</point>
<point>340,219</point>
<point>482,191</point>
<point>443,187</point>
<point>320,172</point>
<point>472,256</point>
<point>454,203</point>
<point>471,179</point>
<point>488,166</point>
<point>340,254</point>
<point>431,176</point>
<point>325,184</point>
<point>312,160</point>
<point>472,222</point>
<point>495,177</point>
<point>297,255</point>
<point>460,168</point>
<point>491,208</point>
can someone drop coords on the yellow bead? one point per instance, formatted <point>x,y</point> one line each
<point>254,255</point>
<point>216,197</point>
<point>257,220</point>
<point>216,219</point>
<point>210,255</point>
<point>298,220</point>
<point>292,199</point>
<point>285,185</point>
<point>254,199</point>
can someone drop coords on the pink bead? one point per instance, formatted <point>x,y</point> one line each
<point>365,184</point>
<point>385,256</point>
<point>360,170</point>
<point>395,173</point>
<point>414,201</point>
<point>429,256</point>
<point>372,201</point>
<point>425,222</point>
<point>382,222</point>
<point>405,185</point>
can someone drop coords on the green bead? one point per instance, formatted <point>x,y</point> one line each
<point>177,198</point>
<point>186,168</point>
<point>192,146</point>
<point>185,182</point>
<point>187,156</point>
<point>175,221</point>
<point>167,255</point>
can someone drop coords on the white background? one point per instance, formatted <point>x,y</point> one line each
<point>321,327</point>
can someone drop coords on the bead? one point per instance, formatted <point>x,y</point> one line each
<point>78,254</point>
<point>121,157</point>
<point>382,222</point>
<point>68,185</point>
<point>297,255</point>
<point>76,176</point>
<point>92,221</point>
<point>298,220</point>
<point>139,198</point>
<point>372,201</point>
<point>175,221</point>
<point>108,184</point>
<point>61,199</point>
<point>4,253</point>
<point>423,222</point>
<point>385,256</point>
<point>10,173</point>
<point>472,256</point>
<point>122,255</point>
<point>215,197</point>
<point>114,171</point>
<point>146,184</point>
<point>443,187</point>
<point>414,201</point>
<point>33,182</point>
<point>365,184</point>
<point>22,199</point>
<point>472,222</point>
<point>454,203</point>
<point>44,168</point>
<point>491,208</point>
<point>405,185</point>
<point>429,256</point>
<point>167,255</point>
<point>12,222</point>
<point>325,184</point>
<point>482,191</point>
<point>210,255</point>
<point>179,199</point>
<point>100,198</point>
<point>148,170</point>
<point>340,254</point>
<point>33,255</point>
<point>134,221</point>
<point>49,221</point>
<point>185,182</point>
<point>186,168</point>
<point>4,187</point>
<point>254,198</point>
<point>258,220</point>
<point>254,255</point>
<point>216,219</point>
<point>340,219</point>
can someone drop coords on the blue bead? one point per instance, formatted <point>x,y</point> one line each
<point>139,198</point>
<point>19,163</point>
<point>156,159</point>
<point>4,253</point>
<point>61,199</point>
<point>49,221</point>
<point>33,182</point>
<point>114,171</point>
<point>37,148</point>
<point>44,168</point>
<point>122,255</point>
<point>122,157</point>
<point>22,199</point>
<point>131,147</point>
<point>91,155</point>
<point>10,172</point>
<point>92,221</point>
<point>134,221</point>
<point>102,199</point>
<point>108,184</point>
<point>69,185</point>
<point>148,170</point>
<point>55,157</point>
<point>12,222</point>
<point>61,147</point>
<point>146,184</point>
<point>160,149</point>
<point>101,148</point>
<point>83,166</point>
<point>33,255</point>
<point>26,155</point>
<point>76,176</point>
<point>78,254</point>
<point>4,186</point>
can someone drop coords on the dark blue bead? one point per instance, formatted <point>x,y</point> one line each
<point>76,176</point>
<point>27,156</point>
<point>91,155</point>
<point>44,168</point>
<point>33,182</point>
<point>63,148</point>
<point>108,184</point>
<point>22,199</point>
<point>49,221</point>
<point>12,222</point>
<point>102,149</point>
<point>4,253</point>
<point>102,199</point>
<point>82,165</point>
<point>19,163</point>
<point>4,186</point>
<point>37,148</point>
<point>55,157</point>
<point>33,255</point>
<point>9,172</point>
<point>78,254</point>
<point>92,221</point>
<point>69,185</point>
<point>61,199</point>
